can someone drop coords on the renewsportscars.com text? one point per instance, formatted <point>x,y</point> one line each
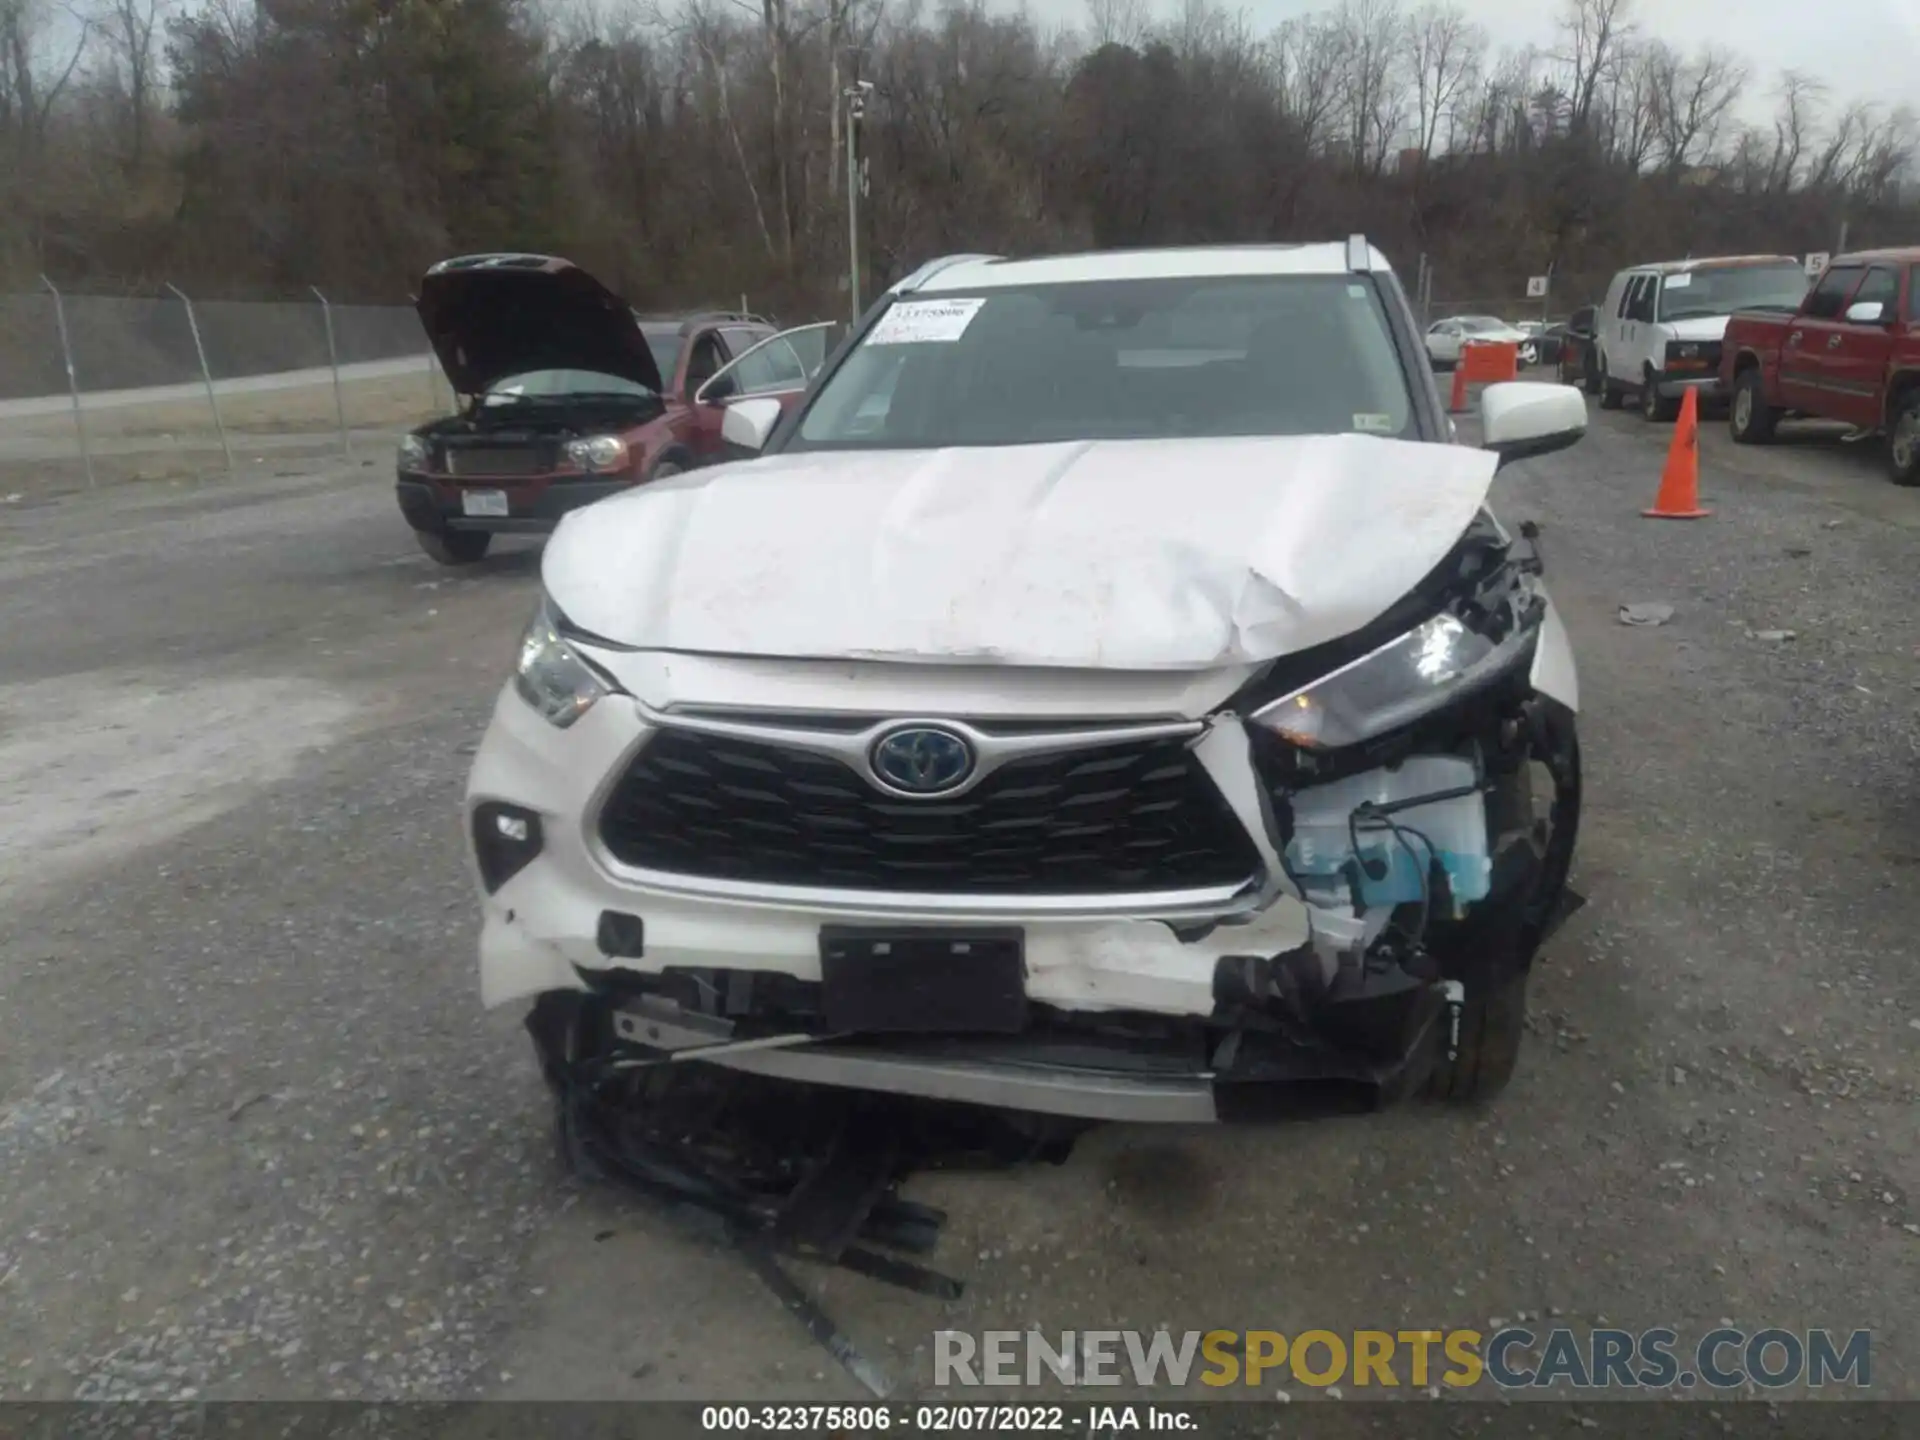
<point>1514,1357</point>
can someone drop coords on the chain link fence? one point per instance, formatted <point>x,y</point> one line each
<point>111,387</point>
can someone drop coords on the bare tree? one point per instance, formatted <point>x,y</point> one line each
<point>130,28</point>
<point>1117,22</point>
<point>1445,52</point>
<point>1307,56</point>
<point>1801,99</point>
<point>1375,104</point>
<point>1592,32</point>
<point>1693,99</point>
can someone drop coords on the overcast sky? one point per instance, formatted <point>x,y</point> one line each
<point>1864,49</point>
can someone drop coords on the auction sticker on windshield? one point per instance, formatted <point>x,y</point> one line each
<point>921,322</point>
<point>1680,281</point>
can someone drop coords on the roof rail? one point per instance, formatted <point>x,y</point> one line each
<point>709,317</point>
<point>932,268</point>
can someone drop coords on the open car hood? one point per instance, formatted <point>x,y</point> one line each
<point>1136,555</point>
<point>491,316</point>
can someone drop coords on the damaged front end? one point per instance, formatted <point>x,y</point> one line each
<point>1412,795</point>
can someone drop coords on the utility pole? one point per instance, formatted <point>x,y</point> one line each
<point>856,97</point>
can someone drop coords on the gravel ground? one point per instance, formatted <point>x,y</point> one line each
<point>257,1139</point>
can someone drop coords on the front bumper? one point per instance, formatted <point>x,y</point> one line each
<point>1183,1007</point>
<point>1672,385</point>
<point>533,506</point>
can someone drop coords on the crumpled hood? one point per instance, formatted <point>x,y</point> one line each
<point>1701,327</point>
<point>1155,554</point>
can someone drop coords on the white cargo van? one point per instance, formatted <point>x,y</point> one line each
<point>1658,331</point>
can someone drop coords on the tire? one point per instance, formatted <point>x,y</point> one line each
<point>1903,437</point>
<point>1491,1025</point>
<point>1494,1015</point>
<point>1655,408</point>
<point>1750,419</point>
<point>454,547</point>
<point>1611,395</point>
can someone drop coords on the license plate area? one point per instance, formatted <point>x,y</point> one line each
<point>483,502</point>
<point>922,981</point>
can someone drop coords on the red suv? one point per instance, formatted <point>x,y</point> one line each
<point>567,396</point>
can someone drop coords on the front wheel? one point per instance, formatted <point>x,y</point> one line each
<point>454,547</point>
<point>1611,395</point>
<point>1496,958</point>
<point>1657,409</point>
<point>1903,437</point>
<point>1750,419</point>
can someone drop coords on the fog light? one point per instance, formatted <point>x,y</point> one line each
<point>506,839</point>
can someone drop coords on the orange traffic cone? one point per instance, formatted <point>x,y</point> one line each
<point>1458,400</point>
<point>1679,497</point>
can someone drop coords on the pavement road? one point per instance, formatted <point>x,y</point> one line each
<point>257,1139</point>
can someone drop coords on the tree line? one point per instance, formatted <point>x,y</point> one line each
<point>691,151</point>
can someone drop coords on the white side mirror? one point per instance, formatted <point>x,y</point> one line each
<point>1522,418</point>
<point>1867,312</point>
<point>748,423</point>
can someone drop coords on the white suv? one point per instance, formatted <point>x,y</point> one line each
<point>1109,698</point>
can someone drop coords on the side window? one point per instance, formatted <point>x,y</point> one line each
<point>1881,285</point>
<point>705,359</point>
<point>1829,297</point>
<point>1624,308</point>
<point>741,339</point>
<point>1641,307</point>
<point>773,367</point>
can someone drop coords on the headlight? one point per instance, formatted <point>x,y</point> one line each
<point>1687,352</point>
<point>1424,670</point>
<point>551,677</point>
<point>598,452</point>
<point>413,453</point>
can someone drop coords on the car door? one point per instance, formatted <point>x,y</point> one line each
<point>778,366</point>
<point>1619,346</point>
<point>1637,354</point>
<point>1443,342</point>
<point>1813,335</point>
<point>1856,367</point>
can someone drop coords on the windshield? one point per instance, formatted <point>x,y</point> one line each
<point>557,384</point>
<point>1693,294</point>
<point>1120,360</point>
<point>1481,324</point>
<point>664,342</point>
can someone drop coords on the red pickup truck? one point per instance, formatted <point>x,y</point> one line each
<point>1850,352</point>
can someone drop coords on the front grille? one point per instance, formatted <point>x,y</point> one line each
<point>477,460</point>
<point>1128,817</point>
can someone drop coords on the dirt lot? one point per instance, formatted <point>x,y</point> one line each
<point>258,1140</point>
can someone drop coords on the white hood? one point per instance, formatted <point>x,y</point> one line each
<point>1700,327</point>
<point>1142,555</point>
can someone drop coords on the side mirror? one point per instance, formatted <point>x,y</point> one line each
<point>716,389</point>
<point>1867,312</point>
<point>749,423</point>
<point>1524,418</point>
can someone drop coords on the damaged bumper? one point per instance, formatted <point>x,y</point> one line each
<point>1273,996</point>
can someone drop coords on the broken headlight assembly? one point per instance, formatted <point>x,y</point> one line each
<point>550,675</point>
<point>1426,669</point>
